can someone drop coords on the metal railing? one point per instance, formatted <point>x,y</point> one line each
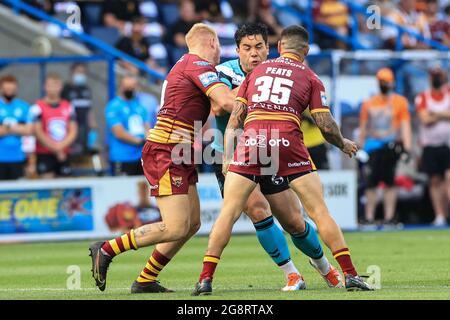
<point>43,61</point>
<point>307,19</point>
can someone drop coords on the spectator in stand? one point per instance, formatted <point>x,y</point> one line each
<point>15,122</point>
<point>433,108</point>
<point>386,6</point>
<point>136,46</point>
<point>150,103</point>
<point>126,121</point>
<point>55,129</point>
<point>333,14</point>
<point>209,10</point>
<point>439,24</point>
<point>78,93</point>
<point>44,5</point>
<point>265,15</point>
<point>407,16</point>
<point>188,18</point>
<point>385,133</point>
<point>117,13</point>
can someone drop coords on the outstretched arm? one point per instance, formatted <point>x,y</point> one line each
<point>235,123</point>
<point>222,100</point>
<point>331,133</point>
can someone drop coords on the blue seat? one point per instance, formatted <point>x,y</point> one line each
<point>107,34</point>
<point>175,53</point>
<point>92,15</point>
<point>169,13</point>
<point>226,41</point>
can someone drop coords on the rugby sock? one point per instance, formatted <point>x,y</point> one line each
<point>308,242</point>
<point>342,256</point>
<point>209,266</point>
<point>153,267</point>
<point>322,264</point>
<point>289,268</point>
<point>273,241</point>
<point>120,244</point>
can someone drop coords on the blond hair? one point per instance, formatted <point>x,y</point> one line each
<point>198,34</point>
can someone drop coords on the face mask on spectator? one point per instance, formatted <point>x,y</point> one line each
<point>9,97</point>
<point>436,81</point>
<point>79,79</point>
<point>385,88</point>
<point>128,94</point>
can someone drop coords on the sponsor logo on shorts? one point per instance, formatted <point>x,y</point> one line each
<point>154,187</point>
<point>279,142</point>
<point>299,164</point>
<point>207,78</point>
<point>258,141</point>
<point>177,181</point>
<point>239,163</point>
<point>276,180</point>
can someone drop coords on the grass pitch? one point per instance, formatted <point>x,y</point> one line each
<point>413,265</point>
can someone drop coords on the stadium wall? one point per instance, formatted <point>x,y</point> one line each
<point>85,208</point>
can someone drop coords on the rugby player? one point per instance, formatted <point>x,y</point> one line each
<point>269,104</point>
<point>275,195</point>
<point>172,179</point>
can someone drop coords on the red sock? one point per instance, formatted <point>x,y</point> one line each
<point>342,256</point>
<point>153,267</point>
<point>209,266</point>
<point>120,244</point>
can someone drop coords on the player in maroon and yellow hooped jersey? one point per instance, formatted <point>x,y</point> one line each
<point>186,94</point>
<point>269,106</point>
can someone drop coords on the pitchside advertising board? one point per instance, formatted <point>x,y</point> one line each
<point>85,208</point>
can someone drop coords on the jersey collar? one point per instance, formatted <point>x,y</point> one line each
<point>292,56</point>
<point>240,68</point>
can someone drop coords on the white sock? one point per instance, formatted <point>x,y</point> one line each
<point>322,264</point>
<point>289,268</point>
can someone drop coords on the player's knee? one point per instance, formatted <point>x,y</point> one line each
<point>178,232</point>
<point>319,213</point>
<point>294,225</point>
<point>257,211</point>
<point>195,226</point>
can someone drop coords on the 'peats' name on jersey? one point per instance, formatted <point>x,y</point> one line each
<point>279,71</point>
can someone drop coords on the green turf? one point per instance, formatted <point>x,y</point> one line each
<point>414,265</point>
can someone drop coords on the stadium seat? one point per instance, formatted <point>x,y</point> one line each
<point>107,34</point>
<point>175,53</point>
<point>92,15</point>
<point>169,13</point>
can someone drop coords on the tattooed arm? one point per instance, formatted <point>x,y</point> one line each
<point>232,131</point>
<point>331,133</point>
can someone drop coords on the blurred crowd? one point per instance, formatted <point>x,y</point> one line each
<point>152,31</point>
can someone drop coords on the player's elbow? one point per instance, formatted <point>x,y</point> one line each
<point>217,110</point>
<point>226,105</point>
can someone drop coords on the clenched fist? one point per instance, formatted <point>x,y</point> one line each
<point>349,147</point>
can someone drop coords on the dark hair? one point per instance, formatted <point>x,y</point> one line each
<point>8,78</point>
<point>250,29</point>
<point>296,31</point>
<point>76,65</point>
